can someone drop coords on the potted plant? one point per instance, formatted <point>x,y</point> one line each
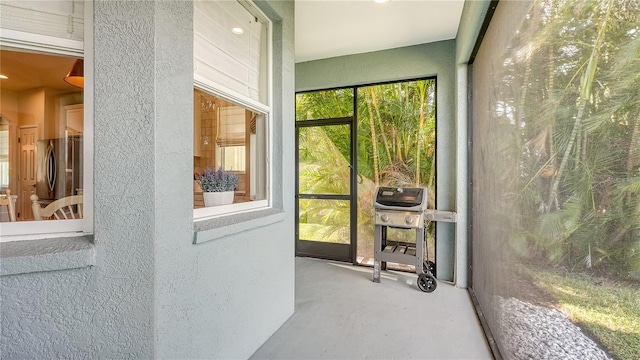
<point>218,186</point>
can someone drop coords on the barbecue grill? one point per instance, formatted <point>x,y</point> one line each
<point>402,208</point>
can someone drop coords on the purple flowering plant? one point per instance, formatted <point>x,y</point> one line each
<point>217,180</point>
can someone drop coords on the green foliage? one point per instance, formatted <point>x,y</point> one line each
<point>326,104</point>
<point>395,142</point>
<point>573,90</point>
<point>400,118</point>
<point>609,310</point>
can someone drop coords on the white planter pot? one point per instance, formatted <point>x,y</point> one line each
<point>217,198</point>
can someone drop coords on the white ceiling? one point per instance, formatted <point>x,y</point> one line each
<point>323,29</point>
<point>330,28</point>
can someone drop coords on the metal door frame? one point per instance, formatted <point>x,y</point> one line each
<point>326,249</point>
<point>317,249</point>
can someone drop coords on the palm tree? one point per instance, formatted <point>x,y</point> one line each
<point>396,141</point>
<point>576,100</point>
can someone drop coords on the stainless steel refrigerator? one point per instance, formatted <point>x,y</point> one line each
<point>59,167</point>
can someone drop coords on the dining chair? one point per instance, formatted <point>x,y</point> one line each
<point>8,201</point>
<point>69,207</point>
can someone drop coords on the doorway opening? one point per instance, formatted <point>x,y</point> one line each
<point>349,141</point>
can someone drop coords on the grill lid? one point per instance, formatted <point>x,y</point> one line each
<point>400,197</point>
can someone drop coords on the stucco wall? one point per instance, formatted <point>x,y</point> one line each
<point>152,292</point>
<point>473,15</point>
<point>222,298</point>
<point>104,311</point>
<point>433,59</point>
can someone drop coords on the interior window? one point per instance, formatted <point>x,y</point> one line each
<point>41,147</point>
<point>233,158</point>
<point>232,139</point>
<point>42,118</point>
<point>231,107</point>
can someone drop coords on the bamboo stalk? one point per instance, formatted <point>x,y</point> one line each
<point>422,88</point>
<point>585,94</point>
<point>383,134</point>
<point>374,140</point>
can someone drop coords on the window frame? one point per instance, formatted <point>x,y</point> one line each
<point>203,84</point>
<point>4,133</point>
<point>38,230</point>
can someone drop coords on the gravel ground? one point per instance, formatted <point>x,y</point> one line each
<point>535,332</point>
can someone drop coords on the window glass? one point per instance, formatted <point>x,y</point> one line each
<point>231,107</point>
<point>231,138</point>
<point>234,158</point>
<point>396,142</point>
<point>41,149</point>
<point>396,147</point>
<point>325,104</point>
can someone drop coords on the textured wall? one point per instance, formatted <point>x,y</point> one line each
<point>471,20</point>
<point>124,164</point>
<point>222,298</point>
<point>103,311</point>
<point>434,59</point>
<point>152,293</point>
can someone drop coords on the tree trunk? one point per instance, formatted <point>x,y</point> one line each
<point>585,94</point>
<point>633,160</point>
<point>422,89</point>
<point>374,140</point>
<point>383,134</point>
<point>634,147</point>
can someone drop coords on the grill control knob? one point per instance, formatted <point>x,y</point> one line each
<point>408,219</point>
<point>384,217</point>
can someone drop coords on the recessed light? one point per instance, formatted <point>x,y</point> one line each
<point>381,1</point>
<point>237,31</point>
<point>4,77</point>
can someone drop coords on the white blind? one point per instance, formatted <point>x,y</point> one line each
<point>231,126</point>
<point>63,19</point>
<point>224,57</point>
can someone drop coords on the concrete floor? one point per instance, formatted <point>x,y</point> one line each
<point>341,314</point>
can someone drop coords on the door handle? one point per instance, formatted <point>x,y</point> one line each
<point>50,165</point>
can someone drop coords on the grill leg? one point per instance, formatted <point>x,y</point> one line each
<point>376,271</point>
<point>383,245</point>
<point>377,244</point>
<point>419,250</point>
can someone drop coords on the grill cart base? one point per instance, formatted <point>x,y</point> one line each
<point>402,208</point>
<point>403,253</point>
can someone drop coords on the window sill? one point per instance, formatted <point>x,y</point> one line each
<point>29,256</point>
<point>212,229</point>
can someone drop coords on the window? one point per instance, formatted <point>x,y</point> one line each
<point>233,158</point>
<point>43,126</point>
<point>231,102</point>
